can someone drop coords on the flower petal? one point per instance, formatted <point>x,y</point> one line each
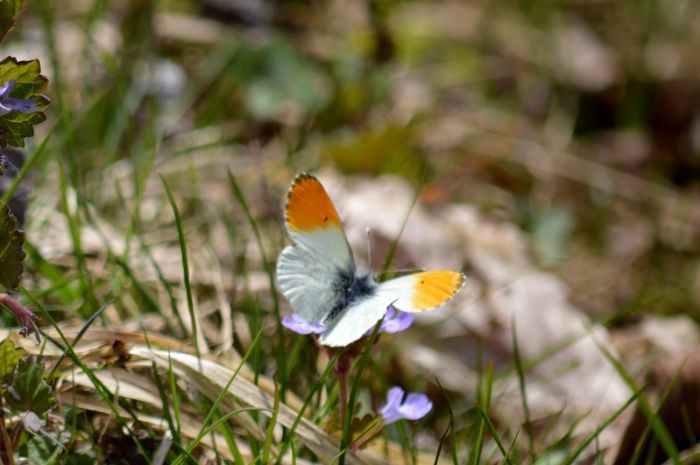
<point>415,406</point>
<point>299,325</point>
<point>396,321</point>
<point>6,88</point>
<point>21,104</point>
<point>394,397</point>
<point>8,104</point>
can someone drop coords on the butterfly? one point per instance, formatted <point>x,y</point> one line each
<point>318,277</point>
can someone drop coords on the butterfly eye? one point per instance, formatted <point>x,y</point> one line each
<point>325,219</point>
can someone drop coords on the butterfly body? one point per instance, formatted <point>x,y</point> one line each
<point>317,273</point>
<point>349,288</point>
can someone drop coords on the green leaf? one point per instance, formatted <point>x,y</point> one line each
<point>28,390</point>
<point>29,84</point>
<point>41,449</point>
<point>9,357</point>
<point>11,249</point>
<point>9,10</point>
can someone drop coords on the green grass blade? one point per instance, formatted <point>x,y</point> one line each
<point>591,437</point>
<point>523,391</point>
<point>222,395</point>
<point>492,429</point>
<point>100,388</point>
<point>74,226</point>
<point>166,285</point>
<point>269,270</point>
<point>271,427</point>
<point>28,164</point>
<point>175,397</point>
<point>165,405</point>
<point>185,265</point>
<point>485,388</point>
<point>78,336</point>
<point>451,427</point>
<point>657,426</point>
<point>315,388</point>
<point>141,175</point>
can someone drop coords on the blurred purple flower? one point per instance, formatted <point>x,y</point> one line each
<point>296,323</point>
<point>8,104</point>
<point>395,321</point>
<point>413,407</point>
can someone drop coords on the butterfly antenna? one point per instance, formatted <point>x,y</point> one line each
<point>369,247</point>
<point>401,270</point>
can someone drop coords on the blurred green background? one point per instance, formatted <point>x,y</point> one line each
<point>578,120</point>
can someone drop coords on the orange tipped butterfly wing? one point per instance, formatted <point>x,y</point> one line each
<point>312,272</point>
<point>307,270</point>
<point>415,292</point>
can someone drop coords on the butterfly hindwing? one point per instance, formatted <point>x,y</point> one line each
<point>415,292</point>
<point>355,321</point>
<point>422,291</point>
<point>306,281</point>
<point>307,270</point>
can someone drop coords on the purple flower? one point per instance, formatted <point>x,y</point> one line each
<point>8,104</point>
<point>299,325</point>
<point>395,321</point>
<point>413,407</point>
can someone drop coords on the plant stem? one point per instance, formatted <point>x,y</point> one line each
<point>341,368</point>
<point>6,454</point>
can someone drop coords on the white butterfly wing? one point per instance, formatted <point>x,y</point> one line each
<point>307,281</point>
<point>307,271</point>
<point>355,321</point>
<point>411,293</point>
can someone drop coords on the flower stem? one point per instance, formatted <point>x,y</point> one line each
<point>6,450</point>
<point>341,368</point>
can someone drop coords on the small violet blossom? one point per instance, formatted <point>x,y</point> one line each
<point>8,104</point>
<point>413,407</point>
<point>296,323</point>
<point>395,321</point>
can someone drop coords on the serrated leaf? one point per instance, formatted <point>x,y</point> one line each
<point>11,249</point>
<point>40,448</point>
<point>28,85</point>
<point>9,10</point>
<point>27,388</point>
<point>30,81</point>
<point>9,357</point>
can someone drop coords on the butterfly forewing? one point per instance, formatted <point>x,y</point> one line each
<point>307,270</point>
